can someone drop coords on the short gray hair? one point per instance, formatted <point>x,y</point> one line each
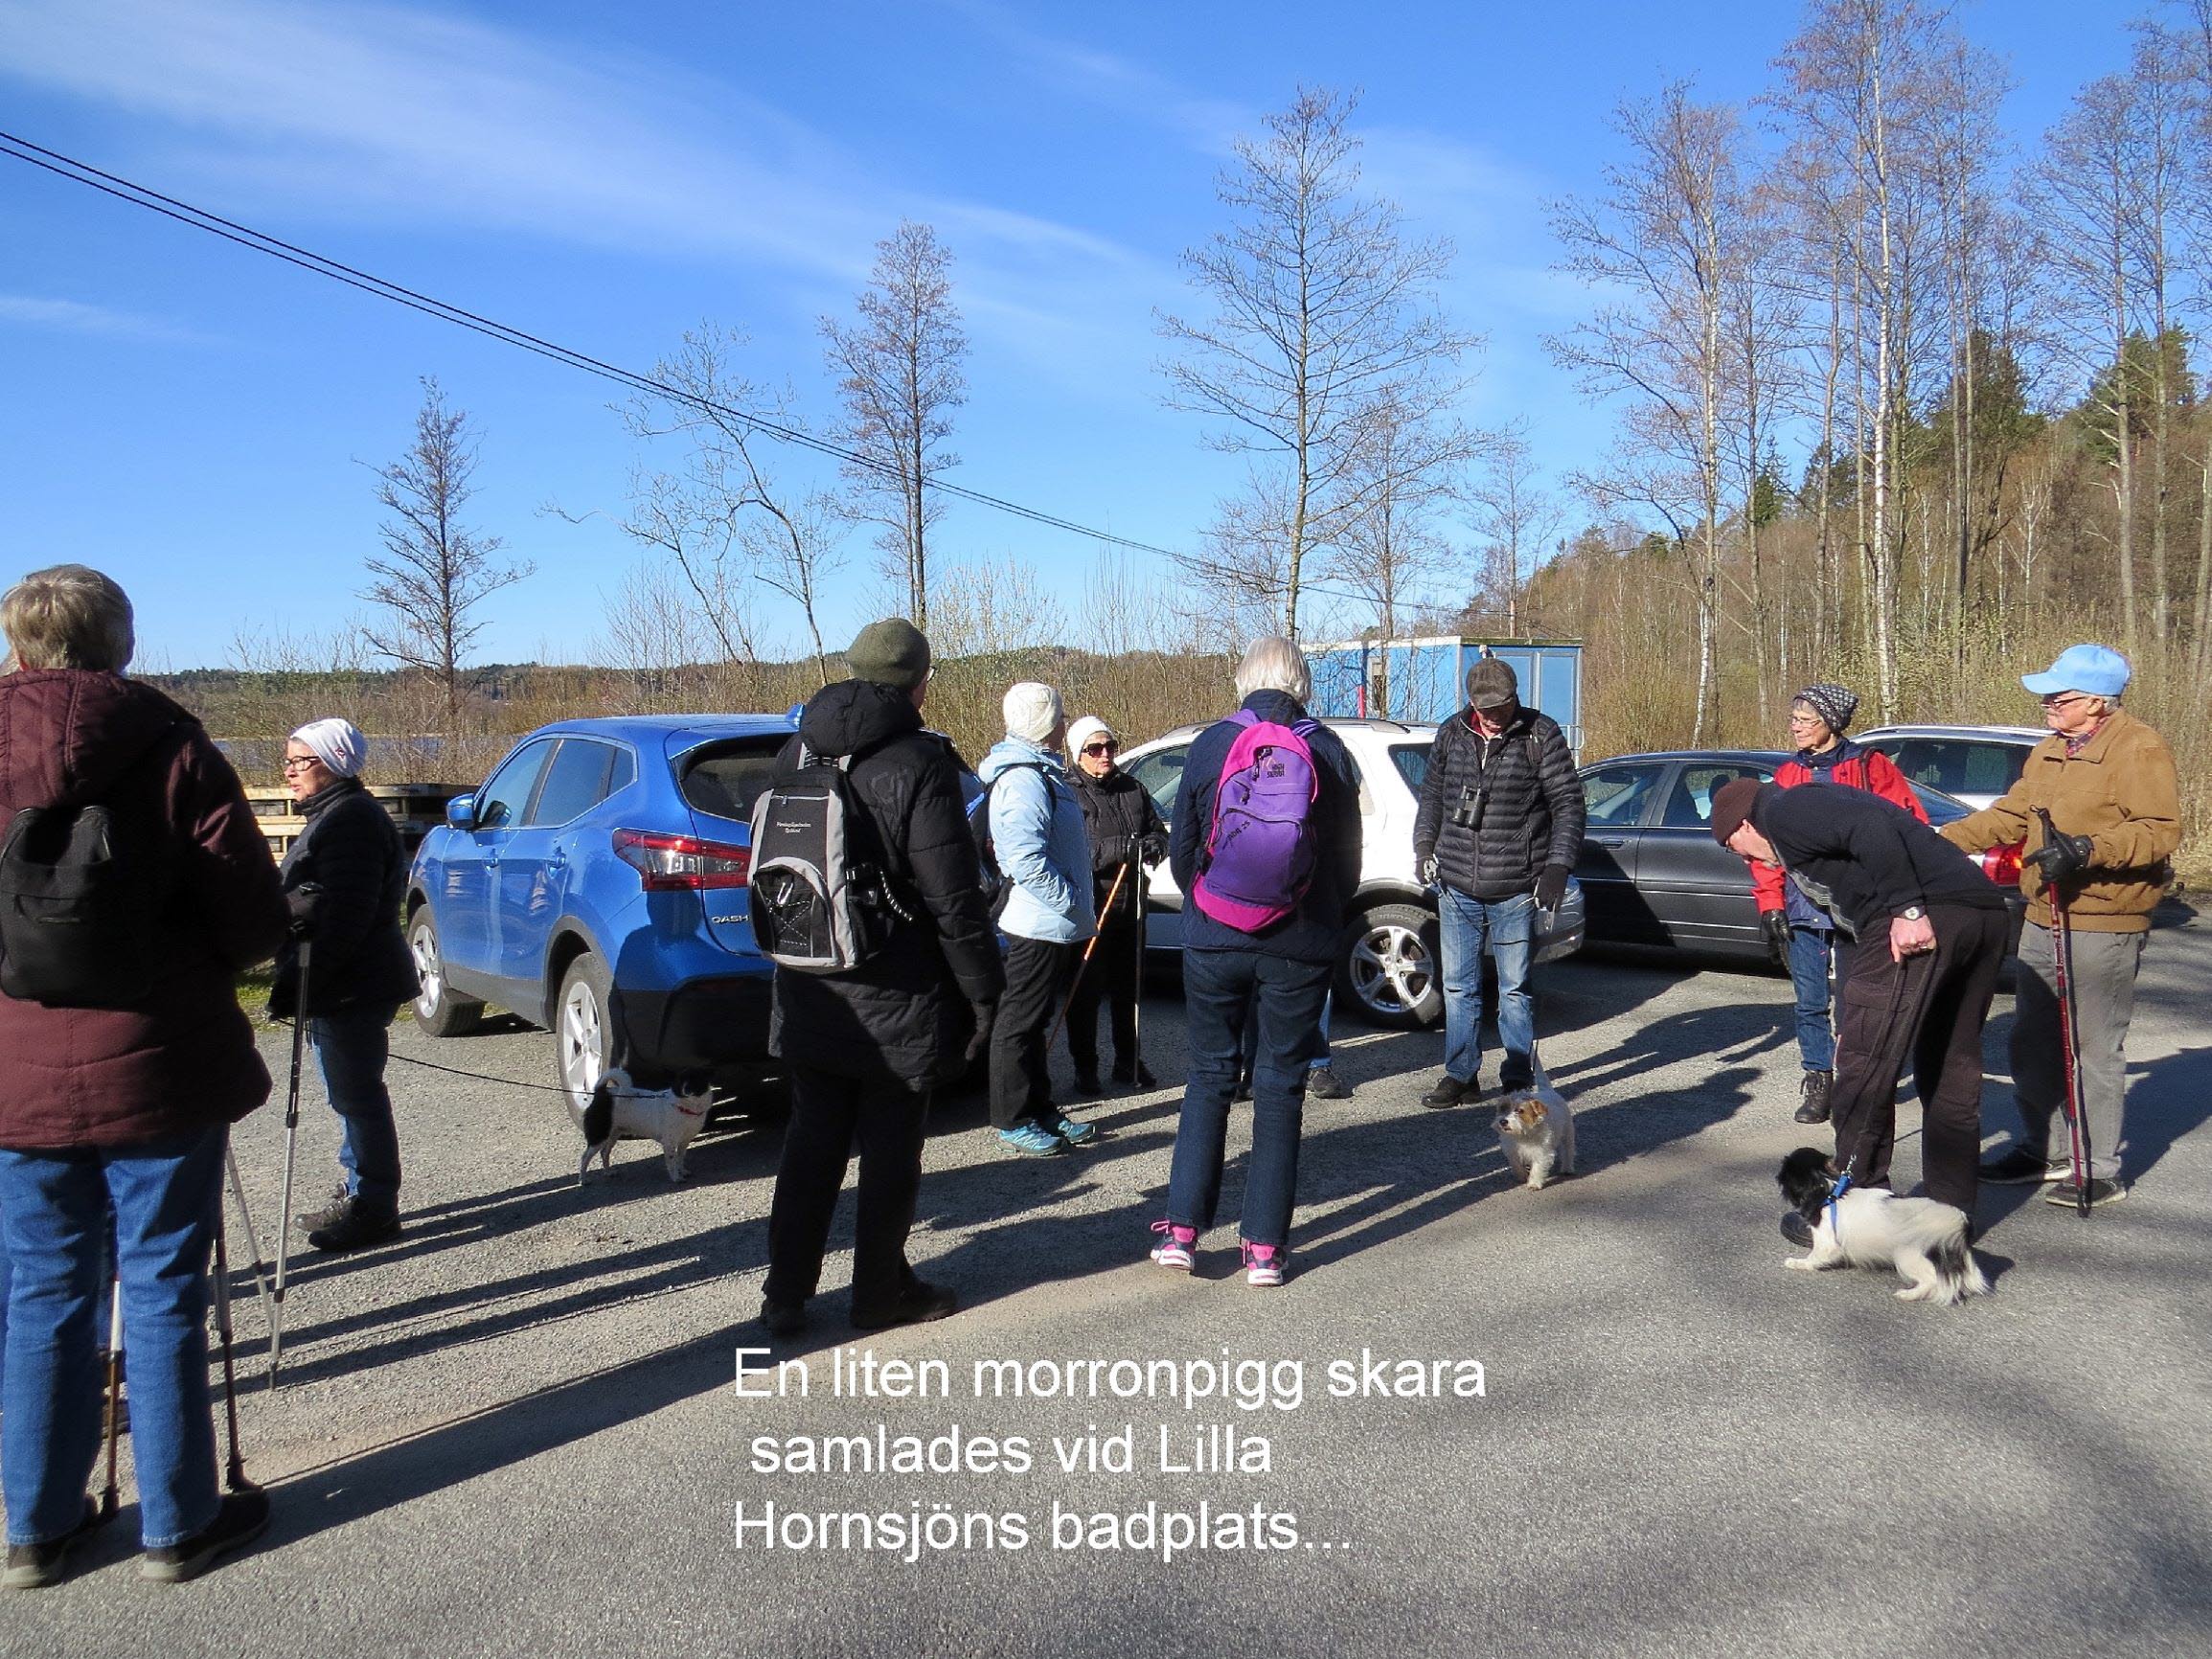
<point>1275,664</point>
<point>67,616</point>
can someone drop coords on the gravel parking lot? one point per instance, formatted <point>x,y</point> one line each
<point>516,1431</point>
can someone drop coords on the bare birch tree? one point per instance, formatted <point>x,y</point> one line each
<point>1320,307</point>
<point>897,367</point>
<point>1514,515</point>
<point>434,570</point>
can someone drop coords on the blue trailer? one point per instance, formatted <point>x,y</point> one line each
<point>1422,681</point>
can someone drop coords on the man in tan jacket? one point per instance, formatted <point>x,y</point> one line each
<point>2108,782</point>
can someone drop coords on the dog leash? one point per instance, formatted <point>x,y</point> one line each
<point>474,1076</point>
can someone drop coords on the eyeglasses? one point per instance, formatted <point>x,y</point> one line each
<point>1106,748</point>
<point>298,762</point>
<point>2059,699</point>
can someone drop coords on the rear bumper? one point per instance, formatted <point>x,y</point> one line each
<point>699,1025</point>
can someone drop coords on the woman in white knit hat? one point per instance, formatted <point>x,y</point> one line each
<point>344,878</point>
<point>1125,838</point>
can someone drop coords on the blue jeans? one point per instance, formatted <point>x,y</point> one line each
<point>1223,992</point>
<point>1251,1045</point>
<point>54,1210</point>
<point>1504,929</point>
<point>1811,949</point>
<point>351,1045</point>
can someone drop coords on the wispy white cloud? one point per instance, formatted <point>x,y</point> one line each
<point>76,317</point>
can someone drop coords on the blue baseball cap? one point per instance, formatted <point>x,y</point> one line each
<point>2096,670</point>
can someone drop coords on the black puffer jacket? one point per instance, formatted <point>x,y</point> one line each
<point>904,1015</point>
<point>1118,814</point>
<point>1531,812</point>
<point>346,875</point>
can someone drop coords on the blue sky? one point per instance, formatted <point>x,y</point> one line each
<point>191,418</point>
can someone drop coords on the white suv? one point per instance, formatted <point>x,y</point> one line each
<point>1389,970</point>
<point>1976,764</point>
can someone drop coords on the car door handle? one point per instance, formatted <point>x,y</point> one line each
<point>1610,840</point>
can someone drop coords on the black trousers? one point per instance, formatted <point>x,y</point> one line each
<point>1110,978</point>
<point>1930,1010</point>
<point>829,1114</point>
<point>1020,1072</point>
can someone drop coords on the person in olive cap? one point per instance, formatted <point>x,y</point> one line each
<point>2108,782</point>
<point>1927,933</point>
<point>1498,832</point>
<point>866,1046</point>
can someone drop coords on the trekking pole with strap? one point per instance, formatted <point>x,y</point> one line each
<point>235,1469</point>
<point>2070,1035</point>
<point>1090,944</point>
<point>291,1148</point>
<point>246,1217</point>
<point>110,1496</point>
<point>1137,1006</point>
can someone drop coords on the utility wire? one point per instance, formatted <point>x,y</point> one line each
<point>243,235</point>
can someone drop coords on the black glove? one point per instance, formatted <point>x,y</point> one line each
<point>302,903</point>
<point>1153,849</point>
<point>2063,856</point>
<point>1551,886</point>
<point>1776,922</point>
<point>1428,871</point>
<point>986,1013</point>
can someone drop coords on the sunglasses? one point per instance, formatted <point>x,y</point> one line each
<point>1105,746</point>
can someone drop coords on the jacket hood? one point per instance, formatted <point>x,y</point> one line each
<point>67,735</point>
<point>846,717</point>
<point>1018,752</point>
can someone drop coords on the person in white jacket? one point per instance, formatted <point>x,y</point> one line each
<point>1042,850</point>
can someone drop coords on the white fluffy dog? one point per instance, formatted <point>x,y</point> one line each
<point>619,1110</point>
<point>1924,1241</point>
<point>1537,1133</point>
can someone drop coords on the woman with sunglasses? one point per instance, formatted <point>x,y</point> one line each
<point>1125,838</point>
<point>2108,782</point>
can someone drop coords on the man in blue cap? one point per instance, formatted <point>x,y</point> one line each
<point>2108,782</point>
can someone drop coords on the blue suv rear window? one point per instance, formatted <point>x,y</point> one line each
<point>725,779</point>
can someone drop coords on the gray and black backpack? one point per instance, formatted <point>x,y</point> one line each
<point>821,900</point>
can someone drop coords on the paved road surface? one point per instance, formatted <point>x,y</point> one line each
<point>517,1432</point>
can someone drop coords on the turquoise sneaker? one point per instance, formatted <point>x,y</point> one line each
<point>1032,1141</point>
<point>1076,1134</point>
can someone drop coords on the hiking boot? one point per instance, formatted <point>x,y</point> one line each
<point>35,1566</point>
<point>1074,1134</point>
<point>2022,1168</point>
<point>1798,1230</point>
<point>1177,1247</point>
<point>357,1228</point>
<point>1263,1264</point>
<point>1812,1098</point>
<point>1448,1091</point>
<point>243,1517</point>
<point>1032,1140</point>
<point>1139,1075</point>
<point>333,1212</point>
<point>917,1304</point>
<point>782,1318</point>
<point>2100,1192</point>
<point>1087,1081</point>
<point>1243,1089</point>
<point>1323,1085</point>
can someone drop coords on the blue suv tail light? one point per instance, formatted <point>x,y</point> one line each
<point>682,863</point>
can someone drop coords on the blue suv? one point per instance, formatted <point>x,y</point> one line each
<point>596,885</point>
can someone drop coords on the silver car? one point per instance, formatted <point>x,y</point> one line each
<point>1976,764</point>
<point>1389,970</point>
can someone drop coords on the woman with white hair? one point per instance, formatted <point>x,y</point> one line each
<point>128,1059</point>
<point>2108,783</point>
<point>1265,844</point>
<point>1037,838</point>
<point>344,878</point>
<point>1126,839</point>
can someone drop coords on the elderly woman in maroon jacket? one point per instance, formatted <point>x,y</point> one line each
<point>125,1068</point>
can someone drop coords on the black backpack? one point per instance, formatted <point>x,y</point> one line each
<point>996,888</point>
<point>77,912</point>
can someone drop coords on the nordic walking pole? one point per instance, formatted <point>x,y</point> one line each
<point>291,1148</point>
<point>1137,1008</point>
<point>1090,944</point>
<point>235,1470</point>
<point>246,1215</point>
<point>2069,1038</point>
<point>111,1497</point>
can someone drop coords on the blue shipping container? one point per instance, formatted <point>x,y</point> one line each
<point>1423,681</point>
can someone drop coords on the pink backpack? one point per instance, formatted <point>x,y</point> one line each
<point>1259,856</point>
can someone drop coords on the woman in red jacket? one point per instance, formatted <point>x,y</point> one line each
<point>1799,930</point>
<point>127,1060</point>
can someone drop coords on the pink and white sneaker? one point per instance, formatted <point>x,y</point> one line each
<point>1176,1246</point>
<point>1265,1265</point>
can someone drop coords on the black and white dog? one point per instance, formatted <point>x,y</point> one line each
<point>619,1110</point>
<point>1921,1239</point>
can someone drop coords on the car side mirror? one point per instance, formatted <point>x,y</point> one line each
<point>461,811</point>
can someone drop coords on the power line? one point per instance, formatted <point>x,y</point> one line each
<point>243,235</point>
